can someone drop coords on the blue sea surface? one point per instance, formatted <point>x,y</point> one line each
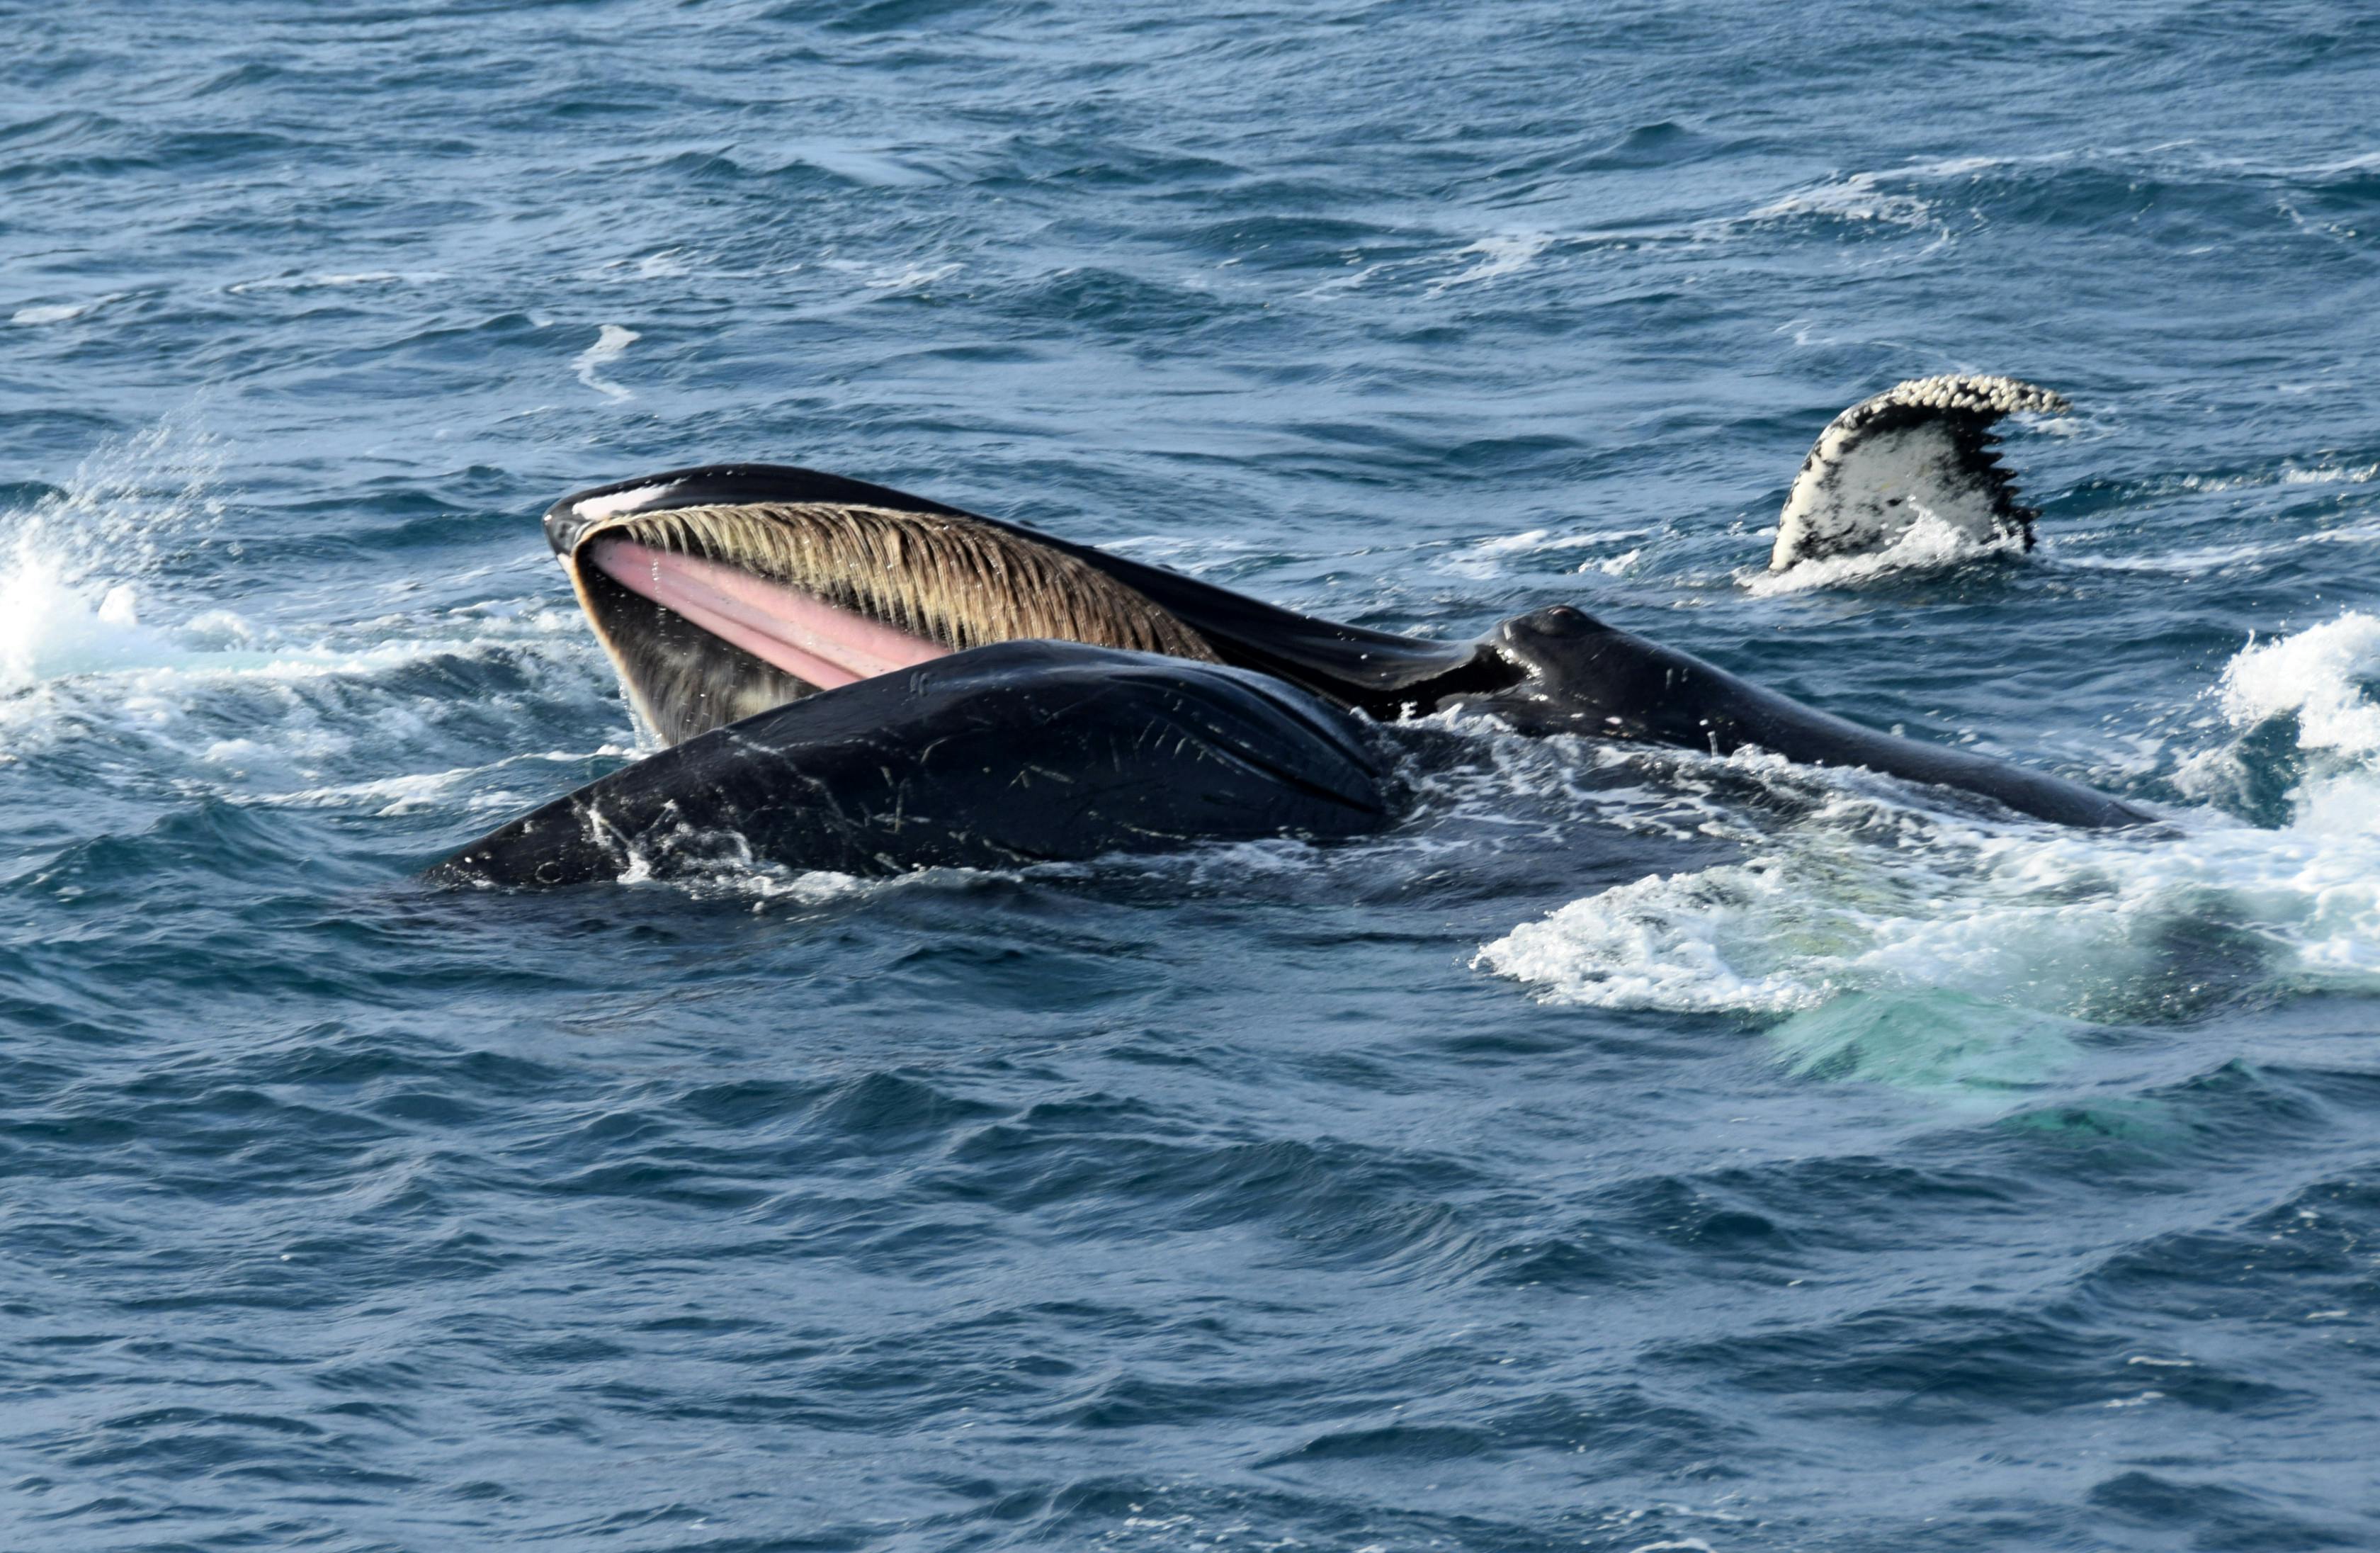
<point>1633,1150</point>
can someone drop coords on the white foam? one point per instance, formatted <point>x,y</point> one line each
<point>1197,555</point>
<point>903,276</point>
<point>2196,562</point>
<point>734,873</point>
<point>1358,272</point>
<point>669,263</point>
<point>1874,897</point>
<point>1974,911</point>
<point>1538,540</point>
<point>2331,474</point>
<point>2253,479</point>
<point>1926,545</point>
<point>93,629</point>
<point>408,792</point>
<point>1665,942</point>
<point>51,628</point>
<point>59,622</point>
<point>72,569</point>
<point>612,341</point>
<point>1491,557</point>
<point>1497,257</point>
<point>2317,677</point>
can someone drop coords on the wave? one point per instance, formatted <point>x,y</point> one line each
<point>1496,258</point>
<point>2315,677</point>
<point>62,312</point>
<point>1860,197</point>
<point>335,280</point>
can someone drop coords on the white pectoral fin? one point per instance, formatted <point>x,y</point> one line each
<point>1922,449</point>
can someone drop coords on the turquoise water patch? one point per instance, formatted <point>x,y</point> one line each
<point>1948,1043</point>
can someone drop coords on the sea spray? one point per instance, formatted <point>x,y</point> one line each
<point>72,567</point>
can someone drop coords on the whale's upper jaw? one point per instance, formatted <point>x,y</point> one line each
<point>683,679</point>
<point>712,485</point>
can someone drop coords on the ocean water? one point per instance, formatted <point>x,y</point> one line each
<point>1633,1151</point>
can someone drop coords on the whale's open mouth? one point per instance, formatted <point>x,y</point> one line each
<point>797,633</point>
<point>724,591</point>
<point>717,610</point>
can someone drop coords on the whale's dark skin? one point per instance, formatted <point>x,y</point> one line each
<point>1582,676</point>
<point>1029,751</point>
<point>1016,753</point>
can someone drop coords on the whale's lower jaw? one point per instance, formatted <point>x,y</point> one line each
<point>1001,757</point>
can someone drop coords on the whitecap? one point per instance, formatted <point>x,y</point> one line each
<point>2331,474</point>
<point>62,312</point>
<point>335,280</point>
<point>912,276</point>
<point>51,626</point>
<point>94,631</point>
<point>1497,257</point>
<point>611,342</point>
<point>1666,942</point>
<point>1860,197</point>
<point>1358,272</point>
<point>72,569</point>
<point>407,792</point>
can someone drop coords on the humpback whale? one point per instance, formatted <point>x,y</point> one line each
<point>1921,448</point>
<point>848,676</point>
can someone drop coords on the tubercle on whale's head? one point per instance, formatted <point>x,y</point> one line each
<point>1562,675</point>
<point>1533,633</point>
